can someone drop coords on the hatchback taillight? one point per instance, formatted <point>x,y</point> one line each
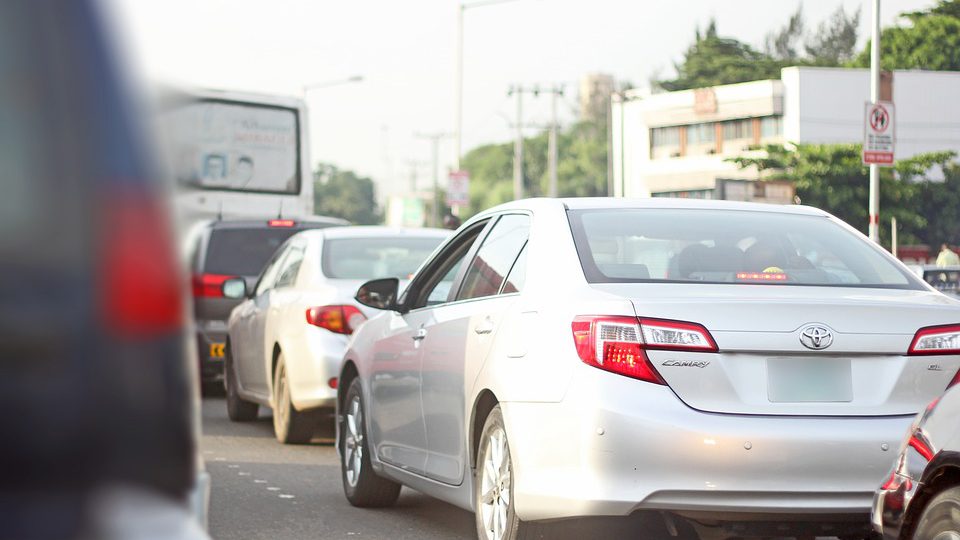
<point>141,284</point>
<point>618,344</point>
<point>209,285</point>
<point>340,319</point>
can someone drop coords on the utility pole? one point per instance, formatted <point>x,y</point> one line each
<point>552,144</point>
<point>518,145</point>
<point>435,139</point>
<point>874,226</point>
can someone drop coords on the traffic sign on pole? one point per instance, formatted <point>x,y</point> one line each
<point>458,188</point>
<point>878,133</point>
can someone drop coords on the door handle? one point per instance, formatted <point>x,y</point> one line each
<point>485,327</point>
<point>421,333</point>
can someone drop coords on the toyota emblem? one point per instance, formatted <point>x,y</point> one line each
<point>816,337</point>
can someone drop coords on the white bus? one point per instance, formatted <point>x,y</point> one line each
<point>237,155</point>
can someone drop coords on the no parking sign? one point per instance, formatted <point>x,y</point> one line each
<point>878,133</point>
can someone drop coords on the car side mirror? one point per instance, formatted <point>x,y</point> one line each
<point>235,288</point>
<point>379,293</point>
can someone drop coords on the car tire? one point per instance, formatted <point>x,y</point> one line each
<point>940,517</point>
<point>238,409</point>
<point>362,486</point>
<point>493,487</point>
<point>289,425</point>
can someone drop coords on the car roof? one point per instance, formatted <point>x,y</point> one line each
<point>316,221</point>
<point>592,203</point>
<point>376,231</point>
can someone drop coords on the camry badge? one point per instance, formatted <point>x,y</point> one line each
<point>816,337</point>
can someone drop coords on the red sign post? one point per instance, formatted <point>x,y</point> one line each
<point>878,134</point>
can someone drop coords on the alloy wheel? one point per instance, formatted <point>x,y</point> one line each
<point>353,441</point>
<point>495,486</point>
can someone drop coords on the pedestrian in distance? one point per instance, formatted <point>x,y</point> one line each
<point>947,257</point>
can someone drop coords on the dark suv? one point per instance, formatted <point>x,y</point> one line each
<point>221,250</point>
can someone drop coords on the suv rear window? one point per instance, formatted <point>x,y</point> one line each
<point>728,246</point>
<point>243,252</point>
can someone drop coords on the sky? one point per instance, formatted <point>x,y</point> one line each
<point>405,52</point>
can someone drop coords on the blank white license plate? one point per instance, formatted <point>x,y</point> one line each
<point>805,380</point>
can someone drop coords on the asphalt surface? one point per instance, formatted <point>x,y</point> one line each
<point>263,489</point>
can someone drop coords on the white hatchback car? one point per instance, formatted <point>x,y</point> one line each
<point>733,368</point>
<point>286,339</point>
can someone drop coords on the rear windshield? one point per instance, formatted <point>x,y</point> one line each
<point>728,246</point>
<point>243,252</point>
<point>372,258</point>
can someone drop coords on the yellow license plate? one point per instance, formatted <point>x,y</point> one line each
<point>216,350</point>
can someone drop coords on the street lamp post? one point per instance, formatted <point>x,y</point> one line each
<point>458,83</point>
<point>873,228</point>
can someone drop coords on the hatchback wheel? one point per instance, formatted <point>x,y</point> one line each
<point>238,409</point>
<point>941,518</point>
<point>289,425</point>
<point>493,485</point>
<point>361,484</point>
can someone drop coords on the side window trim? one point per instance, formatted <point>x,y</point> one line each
<point>414,291</point>
<point>506,278</point>
<point>277,260</point>
<point>476,247</point>
<point>468,258</point>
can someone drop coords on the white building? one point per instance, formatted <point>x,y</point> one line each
<point>676,143</point>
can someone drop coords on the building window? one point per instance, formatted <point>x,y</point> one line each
<point>664,142</point>
<point>738,129</point>
<point>701,134</point>
<point>771,126</point>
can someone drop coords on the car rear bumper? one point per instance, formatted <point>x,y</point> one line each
<point>615,445</point>
<point>312,367</point>
<point>210,342</point>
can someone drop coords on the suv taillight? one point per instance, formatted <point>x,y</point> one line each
<point>209,285</point>
<point>142,284</point>
<point>618,344</point>
<point>340,319</point>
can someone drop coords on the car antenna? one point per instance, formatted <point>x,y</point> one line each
<point>280,210</point>
<point>220,211</point>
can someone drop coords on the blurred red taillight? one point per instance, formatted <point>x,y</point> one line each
<point>618,344</point>
<point>142,286</point>
<point>340,319</point>
<point>209,285</point>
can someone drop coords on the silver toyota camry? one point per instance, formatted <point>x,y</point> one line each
<point>713,366</point>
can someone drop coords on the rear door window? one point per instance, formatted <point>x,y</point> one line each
<point>243,251</point>
<point>488,269</point>
<point>291,266</point>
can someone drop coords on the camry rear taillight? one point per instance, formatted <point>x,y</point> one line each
<point>340,319</point>
<point>209,285</point>
<point>936,340</point>
<point>618,344</point>
<point>141,283</point>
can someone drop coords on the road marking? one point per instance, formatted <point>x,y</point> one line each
<point>273,489</point>
<point>241,473</point>
<point>259,481</point>
<point>285,496</point>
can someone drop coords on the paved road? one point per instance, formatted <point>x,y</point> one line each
<point>262,489</point>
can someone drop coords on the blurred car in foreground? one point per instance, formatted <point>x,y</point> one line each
<point>943,279</point>
<point>733,368</point>
<point>921,497</point>
<point>220,250</point>
<point>99,393</point>
<point>287,339</point>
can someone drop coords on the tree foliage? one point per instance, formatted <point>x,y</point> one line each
<point>344,194</point>
<point>833,177</point>
<point>930,40</point>
<point>713,60</point>
<point>581,167</point>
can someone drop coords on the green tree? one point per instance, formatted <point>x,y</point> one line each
<point>713,60</point>
<point>930,40</point>
<point>835,41</point>
<point>784,44</point>
<point>833,177</point>
<point>939,202</point>
<point>343,194</point>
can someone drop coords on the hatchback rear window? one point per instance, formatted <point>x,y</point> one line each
<point>243,252</point>
<point>728,246</point>
<point>371,258</point>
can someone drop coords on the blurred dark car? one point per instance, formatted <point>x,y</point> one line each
<point>221,250</point>
<point>98,393</point>
<point>921,497</point>
<point>944,279</point>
